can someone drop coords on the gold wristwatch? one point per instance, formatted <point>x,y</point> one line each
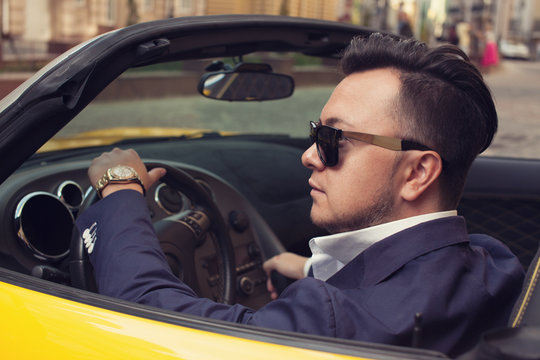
<point>119,174</point>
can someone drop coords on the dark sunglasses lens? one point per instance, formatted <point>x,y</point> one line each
<point>327,145</point>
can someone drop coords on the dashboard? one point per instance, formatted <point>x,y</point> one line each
<point>39,205</point>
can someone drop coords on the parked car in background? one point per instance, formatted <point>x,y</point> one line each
<point>514,49</point>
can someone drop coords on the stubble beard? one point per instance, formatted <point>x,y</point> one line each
<point>375,214</point>
<point>378,212</point>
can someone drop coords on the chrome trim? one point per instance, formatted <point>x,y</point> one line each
<point>186,202</point>
<point>88,192</point>
<point>20,232</point>
<point>61,194</point>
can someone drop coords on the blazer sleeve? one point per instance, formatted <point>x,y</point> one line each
<point>130,265</point>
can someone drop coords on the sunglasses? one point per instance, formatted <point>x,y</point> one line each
<point>327,139</point>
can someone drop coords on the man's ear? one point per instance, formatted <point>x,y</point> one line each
<point>423,170</point>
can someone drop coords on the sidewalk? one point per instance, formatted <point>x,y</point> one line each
<point>516,90</point>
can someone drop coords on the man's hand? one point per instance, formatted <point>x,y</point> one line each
<point>128,157</point>
<point>287,264</point>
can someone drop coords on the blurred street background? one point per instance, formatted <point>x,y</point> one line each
<point>34,31</point>
<point>516,88</point>
<point>500,36</point>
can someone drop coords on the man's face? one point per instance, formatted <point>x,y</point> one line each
<point>361,190</point>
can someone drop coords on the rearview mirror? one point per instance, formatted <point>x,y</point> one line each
<point>246,82</point>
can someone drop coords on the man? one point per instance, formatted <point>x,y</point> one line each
<point>398,247</point>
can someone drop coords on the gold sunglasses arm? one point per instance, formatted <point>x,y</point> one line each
<point>379,140</point>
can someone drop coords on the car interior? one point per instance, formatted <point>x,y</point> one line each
<point>249,186</point>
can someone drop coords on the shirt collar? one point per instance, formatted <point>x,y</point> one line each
<point>344,247</point>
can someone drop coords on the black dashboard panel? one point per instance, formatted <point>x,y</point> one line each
<point>267,170</point>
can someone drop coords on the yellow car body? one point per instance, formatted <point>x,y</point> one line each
<point>37,325</point>
<point>113,135</point>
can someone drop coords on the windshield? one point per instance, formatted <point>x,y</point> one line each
<point>165,96</point>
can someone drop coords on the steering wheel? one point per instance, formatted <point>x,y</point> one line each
<point>179,235</point>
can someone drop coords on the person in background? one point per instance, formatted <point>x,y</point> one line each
<point>463,31</point>
<point>404,25</point>
<point>490,58</point>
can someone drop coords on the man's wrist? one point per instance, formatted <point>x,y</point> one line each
<point>112,188</point>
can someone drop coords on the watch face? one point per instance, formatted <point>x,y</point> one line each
<point>122,172</point>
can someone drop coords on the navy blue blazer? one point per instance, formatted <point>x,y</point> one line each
<point>461,284</point>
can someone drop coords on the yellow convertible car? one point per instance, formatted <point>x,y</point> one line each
<point>191,93</point>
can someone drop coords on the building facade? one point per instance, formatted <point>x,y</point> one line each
<point>42,28</point>
<point>39,29</point>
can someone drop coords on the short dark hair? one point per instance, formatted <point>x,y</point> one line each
<point>443,101</point>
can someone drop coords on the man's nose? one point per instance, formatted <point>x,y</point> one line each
<point>310,158</point>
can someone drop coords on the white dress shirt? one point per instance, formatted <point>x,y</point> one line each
<point>331,253</point>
